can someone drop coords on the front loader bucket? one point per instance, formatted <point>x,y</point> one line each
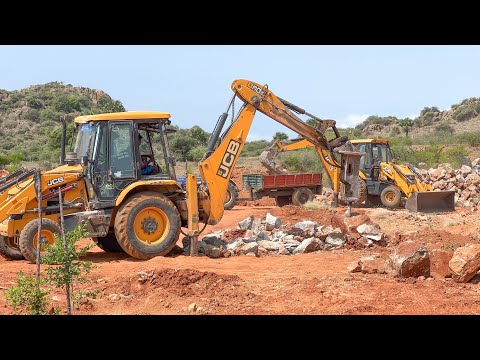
<point>431,201</point>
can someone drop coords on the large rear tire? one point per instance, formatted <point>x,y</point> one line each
<point>8,250</point>
<point>147,225</point>
<point>231,198</point>
<point>29,235</point>
<point>108,243</point>
<point>301,196</point>
<point>391,197</point>
<point>283,200</point>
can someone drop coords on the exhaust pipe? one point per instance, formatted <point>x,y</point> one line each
<point>431,201</point>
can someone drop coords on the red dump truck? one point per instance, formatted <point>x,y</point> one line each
<point>296,189</point>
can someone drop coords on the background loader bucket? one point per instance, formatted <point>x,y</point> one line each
<point>431,201</point>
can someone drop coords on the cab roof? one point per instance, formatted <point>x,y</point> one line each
<point>119,116</point>
<point>369,141</point>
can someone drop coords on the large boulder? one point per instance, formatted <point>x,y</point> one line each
<point>409,259</point>
<point>308,245</point>
<point>465,263</point>
<point>272,222</point>
<point>439,262</point>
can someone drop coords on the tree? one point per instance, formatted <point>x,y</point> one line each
<point>200,135</point>
<point>182,145</point>
<point>280,136</point>
<point>312,122</point>
<point>406,124</point>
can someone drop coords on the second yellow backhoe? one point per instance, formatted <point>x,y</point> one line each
<point>102,181</point>
<point>382,180</point>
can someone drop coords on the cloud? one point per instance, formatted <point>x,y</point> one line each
<point>351,120</point>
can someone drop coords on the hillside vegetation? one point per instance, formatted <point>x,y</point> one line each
<point>30,130</point>
<point>29,119</point>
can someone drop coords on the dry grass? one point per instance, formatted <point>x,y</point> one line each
<point>316,205</point>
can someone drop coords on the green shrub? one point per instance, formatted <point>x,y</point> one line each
<point>464,114</point>
<point>444,128</point>
<point>28,296</point>
<point>33,115</point>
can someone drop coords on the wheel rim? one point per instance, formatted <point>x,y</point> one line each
<point>303,198</point>
<point>390,196</point>
<point>151,226</point>
<point>228,197</point>
<point>48,238</point>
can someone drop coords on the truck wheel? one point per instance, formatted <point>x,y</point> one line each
<point>231,198</point>
<point>283,200</point>
<point>391,197</point>
<point>147,225</point>
<point>29,237</point>
<point>8,249</point>
<point>301,196</point>
<point>108,243</point>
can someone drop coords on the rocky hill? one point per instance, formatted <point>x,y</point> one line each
<point>460,118</point>
<point>29,118</point>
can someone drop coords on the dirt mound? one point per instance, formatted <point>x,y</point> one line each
<point>436,239</point>
<point>181,283</point>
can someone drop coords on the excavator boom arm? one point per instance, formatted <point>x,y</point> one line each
<point>216,166</point>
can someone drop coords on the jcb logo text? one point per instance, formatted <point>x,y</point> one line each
<point>228,159</point>
<point>55,181</point>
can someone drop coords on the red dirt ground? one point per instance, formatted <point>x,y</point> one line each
<point>314,283</point>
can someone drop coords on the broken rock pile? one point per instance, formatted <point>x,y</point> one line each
<point>268,235</point>
<point>464,181</point>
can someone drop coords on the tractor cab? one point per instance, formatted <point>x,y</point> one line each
<point>117,149</point>
<point>376,151</point>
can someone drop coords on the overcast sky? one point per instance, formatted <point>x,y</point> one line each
<point>192,82</point>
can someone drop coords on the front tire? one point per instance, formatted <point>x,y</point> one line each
<point>109,243</point>
<point>147,225</point>
<point>29,235</point>
<point>231,198</point>
<point>8,249</point>
<point>391,197</point>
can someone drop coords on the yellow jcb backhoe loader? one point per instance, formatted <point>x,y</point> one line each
<point>381,179</point>
<point>105,187</point>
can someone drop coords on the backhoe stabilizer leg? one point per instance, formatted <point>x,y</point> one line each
<point>193,217</point>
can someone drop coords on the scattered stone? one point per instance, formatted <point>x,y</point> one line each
<point>465,263</point>
<point>439,262</point>
<point>252,254</point>
<point>334,240</point>
<point>101,281</point>
<point>370,231</point>
<point>144,276</point>
<point>214,239</point>
<point>212,251</point>
<point>272,222</point>
<point>192,307</point>
<point>354,267</point>
<point>305,224</point>
<point>246,224</point>
<point>113,297</point>
<point>262,236</point>
<point>247,248</point>
<point>409,259</point>
<point>373,264</point>
<point>283,250</point>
